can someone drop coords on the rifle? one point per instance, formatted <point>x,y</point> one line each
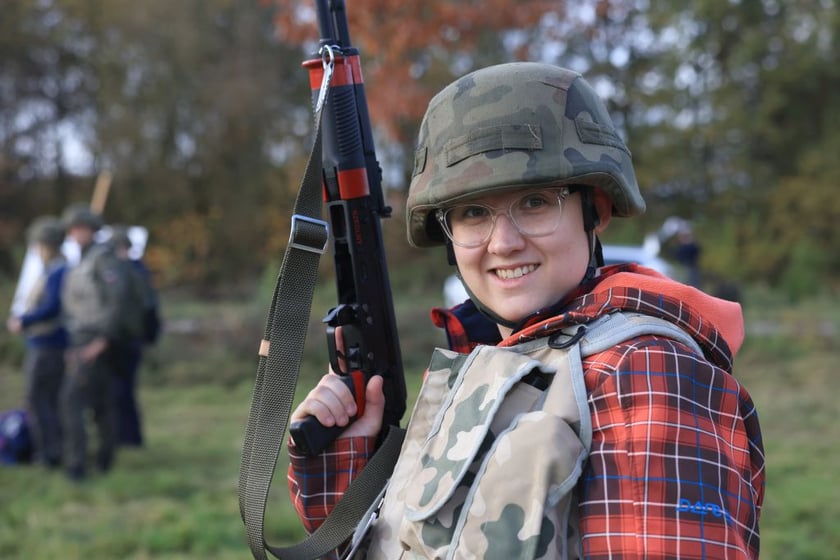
<point>343,172</point>
<point>355,204</point>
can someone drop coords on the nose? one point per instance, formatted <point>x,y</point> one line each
<point>505,237</point>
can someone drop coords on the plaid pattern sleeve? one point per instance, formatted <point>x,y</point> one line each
<point>677,466</point>
<point>316,484</point>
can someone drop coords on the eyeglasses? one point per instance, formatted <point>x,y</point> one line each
<point>534,214</point>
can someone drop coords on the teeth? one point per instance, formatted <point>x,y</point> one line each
<point>508,273</point>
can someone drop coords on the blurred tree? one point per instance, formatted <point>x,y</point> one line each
<point>730,109</point>
<point>45,88</point>
<point>201,102</point>
<point>193,105</point>
<point>412,49</point>
<point>202,111</point>
<point>755,98</point>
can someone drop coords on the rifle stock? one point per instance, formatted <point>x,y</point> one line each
<point>352,181</point>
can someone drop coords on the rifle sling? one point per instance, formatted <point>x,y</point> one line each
<point>274,389</point>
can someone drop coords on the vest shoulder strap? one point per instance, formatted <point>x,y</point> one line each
<point>613,329</point>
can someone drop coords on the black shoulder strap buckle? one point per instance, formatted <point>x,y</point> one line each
<point>557,341</point>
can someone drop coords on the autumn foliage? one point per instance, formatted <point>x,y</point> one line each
<point>407,48</point>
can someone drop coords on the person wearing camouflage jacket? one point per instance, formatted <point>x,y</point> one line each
<point>97,296</point>
<point>518,170</point>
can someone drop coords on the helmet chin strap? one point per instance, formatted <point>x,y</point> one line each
<point>596,260</point>
<point>590,222</point>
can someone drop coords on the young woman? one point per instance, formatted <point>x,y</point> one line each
<point>517,171</point>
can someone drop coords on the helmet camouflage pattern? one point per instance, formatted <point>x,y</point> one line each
<point>510,126</point>
<point>48,230</point>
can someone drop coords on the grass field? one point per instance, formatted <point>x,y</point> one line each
<point>177,497</point>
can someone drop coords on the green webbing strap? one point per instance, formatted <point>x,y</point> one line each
<point>274,388</point>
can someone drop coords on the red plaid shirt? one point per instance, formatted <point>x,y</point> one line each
<point>676,468</point>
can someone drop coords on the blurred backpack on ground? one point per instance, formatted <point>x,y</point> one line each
<point>15,442</point>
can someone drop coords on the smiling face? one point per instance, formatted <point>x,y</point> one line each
<point>515,275</point>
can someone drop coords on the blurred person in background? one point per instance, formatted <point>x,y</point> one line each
<point>128,417</point>
<point>687,253</point>
<point>46,341</point>
<point>98,299</point>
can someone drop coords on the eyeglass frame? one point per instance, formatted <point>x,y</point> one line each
<point>562,193</point>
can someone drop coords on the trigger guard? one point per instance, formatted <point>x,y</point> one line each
<point>333,353</point>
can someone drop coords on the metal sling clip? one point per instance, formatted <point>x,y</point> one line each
<point>309,234</point>
<point>327,53</point>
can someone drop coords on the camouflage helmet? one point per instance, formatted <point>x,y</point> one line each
<point>80,214</point>
<point>510,126</point>
<point>47,230</point>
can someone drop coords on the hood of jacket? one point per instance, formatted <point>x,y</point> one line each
<point>716,324</point>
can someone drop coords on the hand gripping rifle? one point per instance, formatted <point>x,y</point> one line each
<point>343,171</point>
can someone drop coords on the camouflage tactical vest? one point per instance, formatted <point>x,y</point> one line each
<point>494,449</point>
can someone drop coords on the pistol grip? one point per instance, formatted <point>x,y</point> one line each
<point>311,437</point>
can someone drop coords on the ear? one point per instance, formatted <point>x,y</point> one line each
<point>603,206</point>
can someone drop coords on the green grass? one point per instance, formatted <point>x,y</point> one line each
<point>177,497</point>
<point>791,372</point>
<point>174,498</point>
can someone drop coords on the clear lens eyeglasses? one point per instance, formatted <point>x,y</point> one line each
<point>534,214</point>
